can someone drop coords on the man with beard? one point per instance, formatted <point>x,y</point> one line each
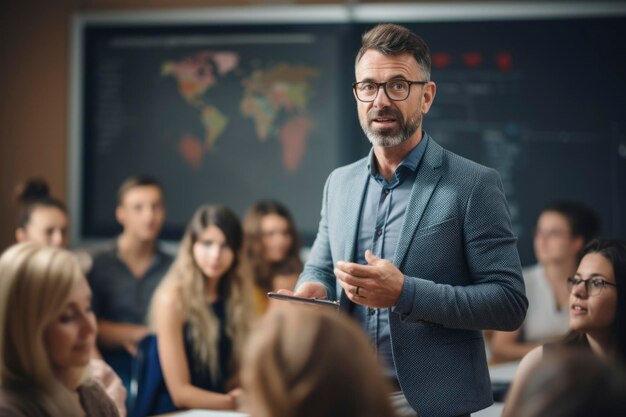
<point>415,241</point>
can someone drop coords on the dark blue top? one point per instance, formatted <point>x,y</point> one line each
<point>152,396</point>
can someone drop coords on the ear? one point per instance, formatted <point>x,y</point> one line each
<point>430,89</point>
<point>20,234</point>
<point>119,215</point>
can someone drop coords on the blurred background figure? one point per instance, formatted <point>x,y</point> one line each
<point>571,384</point>
<point>201,314</point>
<point>563,229</point>
<point>271,249</point>
<point>312,362</point>
<point>126,273</point>
<point>597,310</point>
<point>47,334</point>
<point>42,218</point>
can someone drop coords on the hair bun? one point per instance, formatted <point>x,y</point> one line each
<point>32,190</point>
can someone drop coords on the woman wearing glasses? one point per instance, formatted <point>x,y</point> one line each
<point>563,229</point>
<point>597,307</point>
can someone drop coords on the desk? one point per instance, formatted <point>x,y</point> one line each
<point>204,413</point>
<point>501,374</point>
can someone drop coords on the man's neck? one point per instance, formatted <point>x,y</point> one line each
<point>388,159</point>
<point>130,247</point>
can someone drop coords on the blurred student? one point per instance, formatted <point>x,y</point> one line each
<point>312,362</point>
<point>125,275</point>
<point>47,334</point>
<point>597,310</point>
<point>43,219</point>
<point>572,384</point>
<point>271,249</point>
<point>201,313</point>
<point>563,229</point>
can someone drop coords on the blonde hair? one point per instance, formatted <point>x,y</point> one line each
<point>189,283</point>
<point>304,362</point>
<point>35,284</point>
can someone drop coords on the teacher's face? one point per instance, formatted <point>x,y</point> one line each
<point>385,122</point>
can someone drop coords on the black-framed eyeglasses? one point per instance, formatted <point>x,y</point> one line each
<point>396,90</point>
<point>593,286</point>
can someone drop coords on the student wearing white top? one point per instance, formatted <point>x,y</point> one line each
<point>563,229</point>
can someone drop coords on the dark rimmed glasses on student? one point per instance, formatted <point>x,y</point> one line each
<point>593,286</point>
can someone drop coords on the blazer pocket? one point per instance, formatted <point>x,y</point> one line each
<point>436,228</point>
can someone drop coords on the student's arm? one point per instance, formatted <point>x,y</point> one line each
<point>168,323</point>
<point>506,347</point>
<point>526,366</point>
<point>116,335</point>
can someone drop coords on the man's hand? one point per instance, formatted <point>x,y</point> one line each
<point>308,290</point>
<point>377,284</point>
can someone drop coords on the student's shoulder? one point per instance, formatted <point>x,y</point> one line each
<point>165,253</point>
<point>9,405</point>
<point>103,253</point>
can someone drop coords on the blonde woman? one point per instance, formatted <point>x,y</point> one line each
<point>200,314</point>
<point>307,362</point>
<point>47,333</point>
<point>43,219</point>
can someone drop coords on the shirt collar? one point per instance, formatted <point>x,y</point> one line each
<point>408,165</point>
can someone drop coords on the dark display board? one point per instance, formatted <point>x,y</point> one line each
<point>229,114</point>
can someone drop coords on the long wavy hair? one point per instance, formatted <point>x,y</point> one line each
<point>35,284</point>
<point>304,362</point>
<point>186,277</point>
<point>262,270</point>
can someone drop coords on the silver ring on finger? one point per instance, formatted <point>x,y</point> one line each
<point>357,290</point>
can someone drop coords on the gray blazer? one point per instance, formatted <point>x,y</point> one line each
<point>457,246</point>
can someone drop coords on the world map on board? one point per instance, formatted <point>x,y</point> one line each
<point>274,96</point>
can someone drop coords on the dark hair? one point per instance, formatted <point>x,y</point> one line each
<point>134,182</point>
<point>224,219</point>
<point>614,251</point>
<point>32,194</point>
<point>389,39</point>
<point>583,221</point>
<point>263,271</point>
<point>572,384</point>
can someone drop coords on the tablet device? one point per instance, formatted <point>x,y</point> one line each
<point>286,297</point>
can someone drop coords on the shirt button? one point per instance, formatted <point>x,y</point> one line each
<point>386,191</point>
<point>379,232</point>
<point>370,311</point>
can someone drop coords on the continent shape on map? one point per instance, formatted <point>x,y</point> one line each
<point>281,89</point>
<point>275,97</point>
<point>196,75</point>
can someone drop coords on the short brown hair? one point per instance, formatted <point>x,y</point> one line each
<point>134,182</point>
<point>390,39</point>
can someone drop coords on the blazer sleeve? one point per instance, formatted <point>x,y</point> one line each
<point>319,267</point>
<point>494,297</point>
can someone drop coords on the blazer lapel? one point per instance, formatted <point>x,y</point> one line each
<point>426,180</point>
<point>355,194</point>
<point>354,197</point>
